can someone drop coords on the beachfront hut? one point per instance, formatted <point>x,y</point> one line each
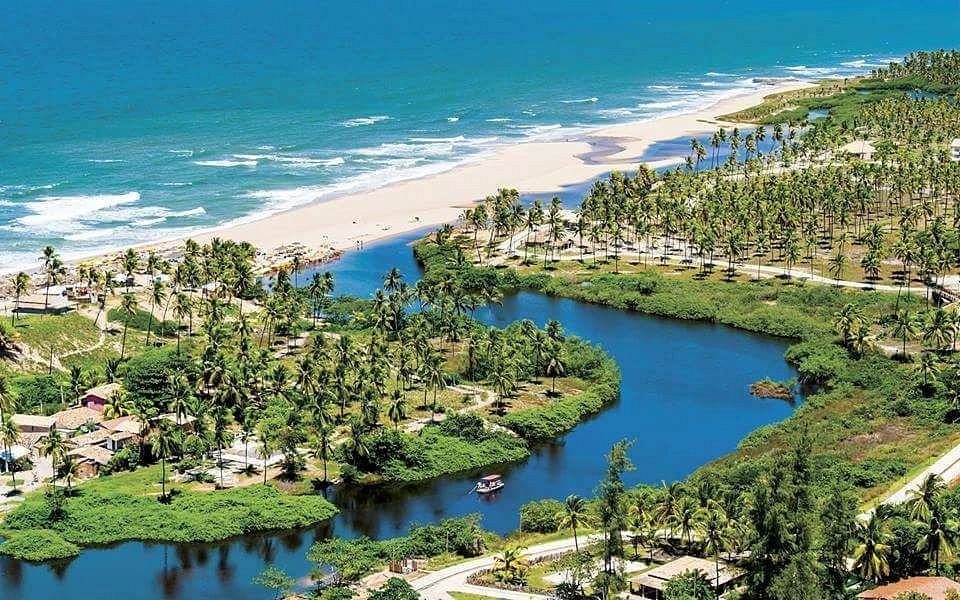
<point>861,149</point>
<point>36,304</point>
<point>96,397</point>
<point>935,588</point>
<point>34,423</point>
<point>955,150</point>
<point>652,583</point>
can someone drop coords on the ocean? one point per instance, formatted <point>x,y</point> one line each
<point>129,122</point>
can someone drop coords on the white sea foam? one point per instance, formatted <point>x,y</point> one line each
<point>295,161</point>
<point>105,160</point>
<point>431,140</point>
<point>718,74</point>
<point>49,211</point>
<point>499,120</point>
<point>580,100</point>
<point>664,88</point>
<point>177,183</point>
<point>453,119</point>
<point>225,163</point>
<point>186,153</point>
<point>360,121</point>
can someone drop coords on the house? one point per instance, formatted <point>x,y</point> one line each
<point>652,583</point>
<point>185,422</point>
<point>34,423</point>
<point>211,290</point>
<point>955,150</point>
<point>70,420</point>
<point>861,149</point>
<point>934,587</point>
<point>90,459</point>
<point>121,432</point>
<point>96,397</point>
<point>36,304</point>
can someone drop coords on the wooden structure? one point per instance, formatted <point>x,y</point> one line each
<point>652,583</point>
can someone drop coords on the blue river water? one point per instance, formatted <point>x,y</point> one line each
<point>684,401</point>
<point>125,122</point>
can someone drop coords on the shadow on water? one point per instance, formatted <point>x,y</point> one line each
<point>684,399</point>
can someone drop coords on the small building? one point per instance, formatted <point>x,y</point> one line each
<point>38,304</point>
<point>955,150</point>
<point>652,583</point>
<point>70,420</point>
<point>96,397</point>
<point>34,423</point>
<point>211,290</point>
<point>934,587</point>
<point>861,149</point>
<point>90,459</point>
<point>97,437</point>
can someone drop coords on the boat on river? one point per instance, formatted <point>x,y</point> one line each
<point>490,483</point>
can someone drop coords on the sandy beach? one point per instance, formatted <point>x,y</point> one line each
<point>337,224</point>
<point>441,198</point>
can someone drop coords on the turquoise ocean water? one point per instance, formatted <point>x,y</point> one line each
<point>126,122</point>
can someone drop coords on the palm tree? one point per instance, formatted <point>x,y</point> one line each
<point>713,532</point>
<point>54,446</point>
<point>162,447</point>
<point>51,266</point>
<point>938,540</point>
<point>265,449</point>
<point>158,294</point>
<point>20,285</point>
<point>131,262</point>
<point>573,514</point>
<point>923,500</point>
<point>555,364</point>
<point>871,557</point>
<point>10,436</point>
<point>904,326</point>
<point>69,469</point>
<point>182,308</point>
<point>128,308</point>
<point>398,408</point>
<point>508,561</point>
<point>323,448</point>
<point>221,436</point>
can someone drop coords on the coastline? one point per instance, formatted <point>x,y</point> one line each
<point>331,226</point>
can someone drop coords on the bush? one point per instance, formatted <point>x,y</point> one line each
<point>38,545</point>
<point>540,516</point>
<point>34,391</point>
<point>141,320</point>
<point>146,377</point>
<point>104,512</point>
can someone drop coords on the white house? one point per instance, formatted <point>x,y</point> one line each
<point>955,150</point>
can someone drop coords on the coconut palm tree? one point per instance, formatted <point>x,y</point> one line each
<point>555,364</point>
<point>871,557</point>
<point>21,283</point>
<point>904,327</point>
<point>158,294</point>
<point>69,470</point>
<point>714,533</point>
<point>323,448</point>
<point>10,436</point>
<point>51,267</point>
<point>128,309</point>
<point>182,308</point>
<point>572,515</point>
<point>162,446</point>
<point>54,446</point>
<point>398,408</point>
<point>923,500</point>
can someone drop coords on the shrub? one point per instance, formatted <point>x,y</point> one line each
<point>38,545</point>
<point>540,516</point>
<point>34,391</point>
<point>146,377</point>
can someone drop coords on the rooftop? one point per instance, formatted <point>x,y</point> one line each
<point>33,421</point>
<point>934,587</point>
<point>658,577</point>
<point>103,391</point>
<point>128,424</point>
<point>95,454</point>
<point>859,147</point>
<point>73,418</point>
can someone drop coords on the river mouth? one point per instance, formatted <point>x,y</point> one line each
<point>685,401</point>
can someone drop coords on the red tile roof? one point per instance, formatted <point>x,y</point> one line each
<point>935,587</point>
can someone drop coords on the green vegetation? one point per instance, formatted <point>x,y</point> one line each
<point>38,545</point>
<point>125,507</point>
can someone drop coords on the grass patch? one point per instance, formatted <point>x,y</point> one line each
<point>38,545</point>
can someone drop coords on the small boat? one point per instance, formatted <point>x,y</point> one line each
<point>490,483</point>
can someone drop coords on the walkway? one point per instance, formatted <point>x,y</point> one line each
<point>438,584</point>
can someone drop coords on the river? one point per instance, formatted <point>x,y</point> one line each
<point>684,401</point>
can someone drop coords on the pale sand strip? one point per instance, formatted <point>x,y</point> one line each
<point>441,198</point>
<point>406,206</point>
